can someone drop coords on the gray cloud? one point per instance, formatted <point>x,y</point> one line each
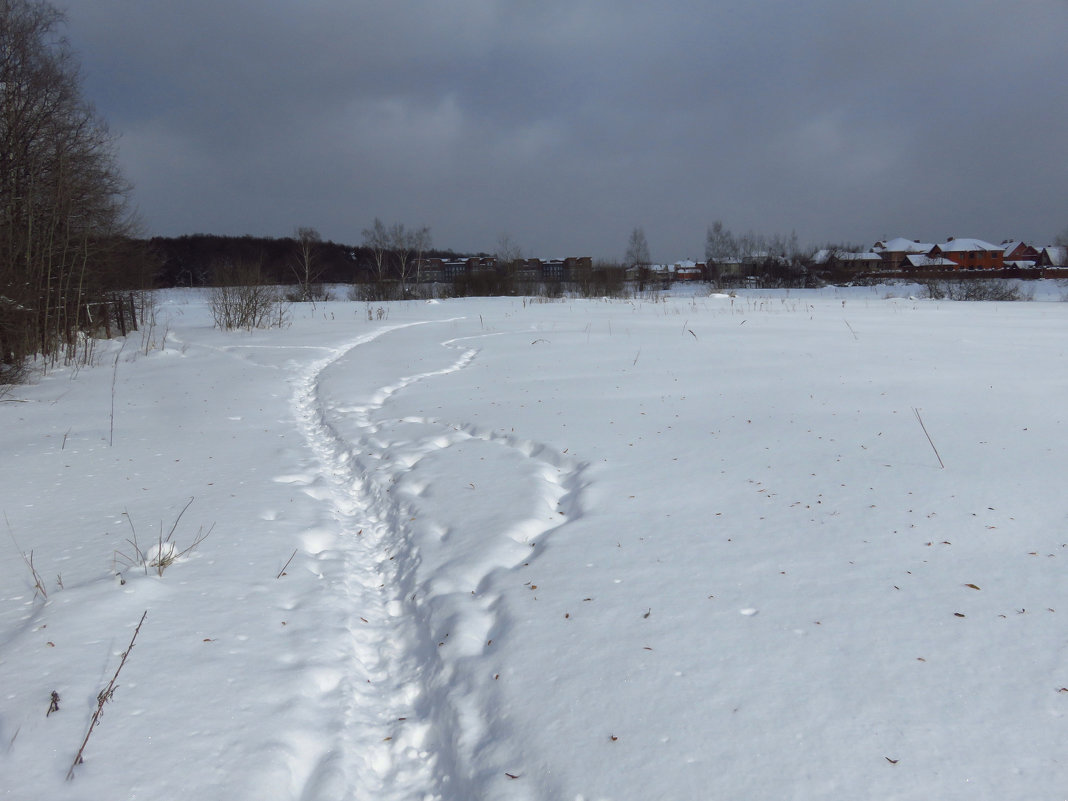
<point>566,124</point>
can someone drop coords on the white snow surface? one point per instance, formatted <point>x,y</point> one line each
<point>667,548</point>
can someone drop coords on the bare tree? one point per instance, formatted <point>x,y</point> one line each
<point>720,245</point>
<point>403,242</point>
<point>637,250</point>
<point>62,201</point>
<point>508,252</point>
<point>720,248</point>
<point>1061,240</point>
<point>400,245</point>
<point>420,244</point>
<point>637,256</point>
<point>377,239</point>
<point>306,268</point>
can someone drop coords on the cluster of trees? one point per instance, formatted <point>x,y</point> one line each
<point>65,247</point>
<point>396,251</point>
<point>775,260</point>
<point>210,260</point>
<point>386,263</point>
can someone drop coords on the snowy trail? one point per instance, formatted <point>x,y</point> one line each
<point>411,575</point>
<point>379,749</point>
<point>564,550</point>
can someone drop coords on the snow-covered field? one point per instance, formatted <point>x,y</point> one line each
<point>700,548</point>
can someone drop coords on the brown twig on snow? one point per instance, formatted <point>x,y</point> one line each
<point>103,697</point>
<point>282,572</point>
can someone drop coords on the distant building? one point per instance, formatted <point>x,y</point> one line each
<point>921,261</point>
<point>970,254</point>
<point>868,261</point>
<point>1019,254</point>
<point>688,270</point>
<point>956,254</point>
<point>894,252</point>
<point>1053,256</point>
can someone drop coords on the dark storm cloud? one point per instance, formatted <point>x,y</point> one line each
<point>566,124</point>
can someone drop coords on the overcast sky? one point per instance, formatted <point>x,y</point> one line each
<point>567,124</point>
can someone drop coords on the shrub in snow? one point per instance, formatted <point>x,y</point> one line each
<point>974,289</point>
<point>164,553</point>
<point>161,555</point>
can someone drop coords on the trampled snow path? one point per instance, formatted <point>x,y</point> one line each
<point>409,682</point>
<point>909,641</point>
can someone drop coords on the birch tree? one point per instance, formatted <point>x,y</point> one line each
<point>377,239</point>
<point>307,268</point>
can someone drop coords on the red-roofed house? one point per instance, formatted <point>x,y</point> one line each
<point>970,254</point>
<point>1019,252</point>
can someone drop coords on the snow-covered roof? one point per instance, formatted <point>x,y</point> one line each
<point>923,260</point>
<point>1057,255</point>
<point>966,245</point>
<point>1009,247</point>
<point>902,245</point>
<point>825,255</point>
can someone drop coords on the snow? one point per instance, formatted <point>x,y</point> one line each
<point>920,260</point>
<point>825,255</point>
<point>902,245</point>
<point>671,547</point>
<point>966,245</point>
<point>1057,255</point>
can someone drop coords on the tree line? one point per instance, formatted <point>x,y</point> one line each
<point>66,253</point>
<point>304,259</point>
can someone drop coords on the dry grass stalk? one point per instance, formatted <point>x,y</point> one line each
<point>920,421</point>
<point>38,582</point>
<point>103,697</point>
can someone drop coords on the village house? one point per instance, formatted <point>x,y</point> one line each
<point>1019,254</point>
<point>1053,256</point>
<point>960,254</point>
<point>843,260</point>
<point>688,270</point>
<point>970,254</point>
<point>921,261</point>
<point>894,252</point>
